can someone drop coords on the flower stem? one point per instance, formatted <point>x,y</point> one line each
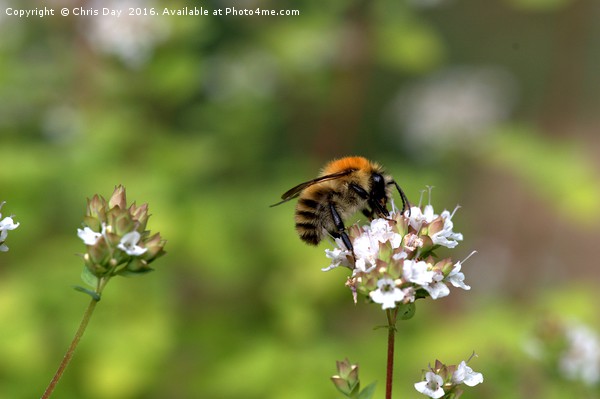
<point>391,316</point>
<point>69,354</point>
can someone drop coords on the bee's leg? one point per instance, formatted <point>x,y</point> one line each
<point>362,193</point>
<point>339,225</point>
<point>376,207</point>
<point>347,242</point>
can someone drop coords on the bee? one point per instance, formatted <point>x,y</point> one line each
<point>344,187</point>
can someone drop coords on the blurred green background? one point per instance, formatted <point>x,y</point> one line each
<point>209,119</point>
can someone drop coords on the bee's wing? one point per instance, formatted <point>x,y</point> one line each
<point>295,191</point>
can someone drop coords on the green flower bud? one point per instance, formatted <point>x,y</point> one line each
<point>121,221</point>
<point>346,381</point>
<point>155,248</point>
<point>118,198</point>
<point>139,214</point>
<point>96,210</point>
<point>137,266</point>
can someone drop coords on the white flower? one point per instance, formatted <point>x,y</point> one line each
<point>409,294</point>
<point>437,289</point>
<point>446,237</point>
<point>89,236</point>
<point>382,231</point>
<point>6,224</point>
<point>360,265</point>
<point>457,278</point>
<point>417,272</point>
<point>418,216</point>
<point>582,358</point>
<point>399,256</point>
<point>465,374</point>
<point>412,242</point>
<point>428,212</point>
<point>366,248</point>
<point>387,294</point>
<point>129,244</point>
<point>3,234</point>
<point>338,257</point>
<point>432,386</point>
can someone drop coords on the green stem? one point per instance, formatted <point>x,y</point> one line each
<point>391,316</point>
<point>69,354</point>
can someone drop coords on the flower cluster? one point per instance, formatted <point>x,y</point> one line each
<point>393,259</point>
<point>445,381</point>
<point>6,224</point>
<point>570,347</point>
<point>116,238</point>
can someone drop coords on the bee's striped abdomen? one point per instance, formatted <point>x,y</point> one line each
<point>308,219</point>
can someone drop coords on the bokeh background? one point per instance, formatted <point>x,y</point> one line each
<point>209,119</point>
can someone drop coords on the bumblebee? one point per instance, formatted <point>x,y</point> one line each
<point>344,187</point>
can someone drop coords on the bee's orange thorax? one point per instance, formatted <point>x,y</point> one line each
<point>357,163</point>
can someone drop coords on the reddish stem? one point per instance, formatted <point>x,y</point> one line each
<point>67,358</point>
<point>391,316</point>
<point>82,326</point>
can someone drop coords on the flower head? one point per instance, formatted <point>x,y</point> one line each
<point>442,380</point>
<point>393,260</point>
<point>116,237</point>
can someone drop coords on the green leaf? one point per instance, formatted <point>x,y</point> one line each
<point>368,392</point>
<point>407,311</point>
<point>93,294</point>
<point>89,278</point>
<point>127,272</point>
